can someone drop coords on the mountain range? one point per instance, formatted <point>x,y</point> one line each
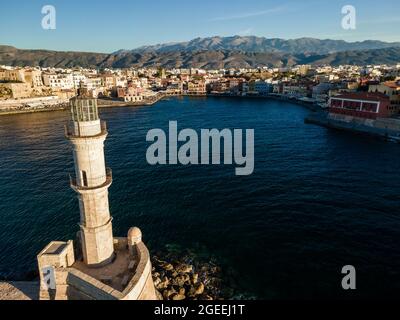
<point>216,52</point>
<point>262,45</point>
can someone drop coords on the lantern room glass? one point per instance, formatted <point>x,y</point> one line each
<point>84,109</point>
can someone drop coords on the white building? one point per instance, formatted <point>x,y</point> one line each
<point>77,78</point>
<point>94,83</point>
<point>121,82</point>
<point>58,81</point>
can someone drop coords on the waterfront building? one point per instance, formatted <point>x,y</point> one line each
<point>277,88</point>
<point>33,78</point>
<point>63,81</point>
<point>3,74</point>
<point>196,87</point>
<point>130,94</point>
<point>29,76</point>
<point>16,90</point>
<point>262,87</point>
<point>392,90</point>
<point>233,84</point>
<point>12,75</point>
<point>97,266</point>
<point>78,78</point>
<point>175,87</point>
<point>244,88</point>
<point>360,105</point>
<point>320,92</point>
<point>94,83</point>
<point>108,81</point>
<point>220,87</point>
<point>295,91</point>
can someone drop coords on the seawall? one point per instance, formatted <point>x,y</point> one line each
<point>388,129</point>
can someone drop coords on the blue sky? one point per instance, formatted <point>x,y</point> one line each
<point>106,26</point>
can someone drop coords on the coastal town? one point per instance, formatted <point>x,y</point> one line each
<point>366,93</point>
<point>200,159</point>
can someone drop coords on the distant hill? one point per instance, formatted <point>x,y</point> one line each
<point>261,44</point>
<point>241,59</point>
<point>45,58</point>
<point>207,59</point>
<point>389,56</point>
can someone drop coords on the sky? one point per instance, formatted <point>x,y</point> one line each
<point>108,26</point>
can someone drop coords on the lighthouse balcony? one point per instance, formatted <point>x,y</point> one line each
<point>84,186</point>
<point>93,129</point>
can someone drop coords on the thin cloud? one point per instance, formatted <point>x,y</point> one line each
<point>251,14</point>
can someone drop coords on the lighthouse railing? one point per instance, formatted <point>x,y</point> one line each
<point>76,186</point>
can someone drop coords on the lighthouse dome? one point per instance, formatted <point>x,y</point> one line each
<point>134,236</point>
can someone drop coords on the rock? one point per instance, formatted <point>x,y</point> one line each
<point>167,267</point>
<point>168,293</point>
<point>179,281</point>
<point>178,297</point>
<point>196,290</point>
<point>163,284</point>
<point>184,268</point>
<point>186,277</point>
<point>156,281</point>
<point>181,277</point>
<point>159,263</point>
<point>199,289</point>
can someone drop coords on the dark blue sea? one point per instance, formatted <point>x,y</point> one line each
<point>318,199</point>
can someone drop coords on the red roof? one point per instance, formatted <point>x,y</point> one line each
<point>392,84</point>
<point>368,96</point>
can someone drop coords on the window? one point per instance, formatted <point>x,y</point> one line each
<point>84,179</point>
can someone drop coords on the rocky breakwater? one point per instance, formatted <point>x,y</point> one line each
<point>178,280</point>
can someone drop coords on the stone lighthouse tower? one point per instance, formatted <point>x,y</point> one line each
<point>92,180</point>
<point>109,268</point>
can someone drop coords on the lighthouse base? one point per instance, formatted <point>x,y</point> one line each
<point>127,277</point>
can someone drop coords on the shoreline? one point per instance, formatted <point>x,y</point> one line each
<point>108,103</point>
<point>15,112</point>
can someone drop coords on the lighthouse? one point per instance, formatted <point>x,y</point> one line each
<point>98,266</point>
<point>87,133</point>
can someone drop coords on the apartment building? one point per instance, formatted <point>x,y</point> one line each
<point>63,81</point>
